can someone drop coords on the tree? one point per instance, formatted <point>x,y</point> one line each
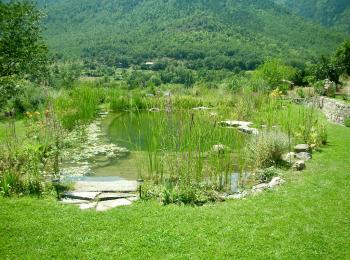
<point>23,55</point>
<point>325,68</point>
<point>276,74</point>
<point>342,57</point>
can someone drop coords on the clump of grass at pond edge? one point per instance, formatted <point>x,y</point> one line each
<point>182,158</point>
<point>78,106</point>
<point>266,149</point>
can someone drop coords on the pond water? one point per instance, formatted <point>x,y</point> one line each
<point>135,131</point>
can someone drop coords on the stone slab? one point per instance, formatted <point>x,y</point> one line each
<point>81,195</point>
<point>301,148</point>
<point>111,204</point>
<point>73,201</point>
<point>88,206</point>
<point>132,199</point>
<point>248,130</point>
<point>111,186</point>
<point>233,123</point>
<point>114,196</point>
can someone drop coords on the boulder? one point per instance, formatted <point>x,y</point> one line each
<point>299,165</point>
<point>305,156</point>
<point>260,187</point>
<point>219,148</point>
<point>276,181</point>
<point>289,157</point>
<point>301,148</point>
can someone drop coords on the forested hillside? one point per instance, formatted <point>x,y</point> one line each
<point>231,34</point>
<point>334,13</point>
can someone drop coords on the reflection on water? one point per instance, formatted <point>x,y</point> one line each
<point>134,130</point>
<point>127,168</point>
<point>129,130</point>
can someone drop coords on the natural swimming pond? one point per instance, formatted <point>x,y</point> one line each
<point>176,143</point>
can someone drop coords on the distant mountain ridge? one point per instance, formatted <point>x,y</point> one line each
<point>334,13</point>
<point>231,34</point>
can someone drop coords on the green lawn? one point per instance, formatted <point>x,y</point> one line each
<point>308,218</point>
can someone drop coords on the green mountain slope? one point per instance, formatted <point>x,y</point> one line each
<point>327,12</point>
<point>232,34</point>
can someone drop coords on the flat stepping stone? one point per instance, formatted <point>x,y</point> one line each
<point>111,186</point>
<point>81,195</point>
<point>132,199</point>
<point>88,206</point>
<point>111,204</point>
<point>248,130</point>
<point>72,201</point>
<point>114,196</point>
<point>234,123</point>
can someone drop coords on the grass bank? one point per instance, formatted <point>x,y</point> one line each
<point>308,218</point>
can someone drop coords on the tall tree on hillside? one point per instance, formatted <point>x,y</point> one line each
<point>23,55</point>
<point>342,57</point>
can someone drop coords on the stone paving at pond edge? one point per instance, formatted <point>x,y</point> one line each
<point>101,196</point>
<point>242,126</point>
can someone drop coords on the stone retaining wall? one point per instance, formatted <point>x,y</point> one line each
<point>336,111</point>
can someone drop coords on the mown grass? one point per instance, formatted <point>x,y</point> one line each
<point>308,218</point>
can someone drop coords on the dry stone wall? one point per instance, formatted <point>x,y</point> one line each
<point>335,111</point>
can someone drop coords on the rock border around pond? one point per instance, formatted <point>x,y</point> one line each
<point>94,151</point>
<point>302,153</point>
<point>242,126</point>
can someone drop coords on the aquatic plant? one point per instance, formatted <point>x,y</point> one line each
<point>77,106</point>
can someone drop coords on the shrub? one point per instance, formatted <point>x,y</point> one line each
<point>27,164</point>
<point>20,169</point>
<point>266,149</point>
<point>276,74</point>
<point>300,92</point>
<point>319,87</point>
<point>347,122</point>
<point>266,175</point>
<point>195,194</point>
